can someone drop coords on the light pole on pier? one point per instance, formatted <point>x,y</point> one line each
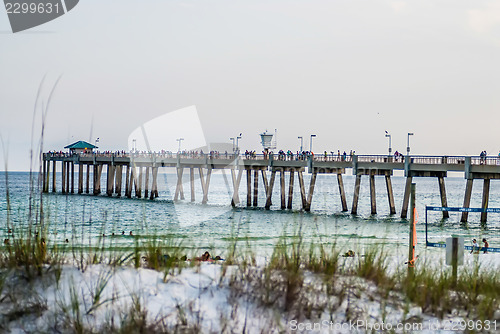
<point>301,143</point>
<point>390,146</point>
<point>311,143</point>
<point>237,139</point>
<point>232,138</point>
<point>408,143</point>
<point>96,141</point>
<point>179,140</point>
<point>134,145</point>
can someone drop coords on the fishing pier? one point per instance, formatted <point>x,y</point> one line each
<point>139,173</point>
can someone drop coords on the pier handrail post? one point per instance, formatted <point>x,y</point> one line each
<point>411,254</point>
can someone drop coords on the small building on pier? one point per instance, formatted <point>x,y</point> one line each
<point>80,147</point>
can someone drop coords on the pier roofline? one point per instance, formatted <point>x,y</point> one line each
<point>474,167</point>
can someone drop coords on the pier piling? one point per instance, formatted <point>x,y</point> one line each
<point>63,177</point>
<point>72,177</point>
<point>191,181</point>
<point>139,184</point>
<point>390,195</point>
<point>355,198</point>
<point>312,182</point>
<point>236,186</point>
<point>290,189</point>
<point>282,188</point>
<point>302,190</point>
<point>249,187</point>
<point>255,187</point>
<point>373,194</point>
<point>54,176</point>
<point>442,192</point>
<point>146,183</point>
<point>486,196</point>
<point>269,190</point>
<point>118,180</point>
<point>154,186</point>
<point>468,193</point>
<point>80,178</point>
<point>406,197</point>
<point>343,200</point>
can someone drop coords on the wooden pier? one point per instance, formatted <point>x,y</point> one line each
<point>141,174</point>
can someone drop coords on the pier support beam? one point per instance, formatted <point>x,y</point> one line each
<point>63,177</point>
<point>135,182</point>
<point>282,189</point>
<point>290,189</point>
<point>72,177</point>
<point>269,190</point>
<point>236,186</point>
<point>264,180</point>
<point>373,195</point>
<point>127,180</point>
<point>255,187</point>
<point>406,197</point>
<point>131,181</point>
<point>355,197</point>
<point>118,180</point>
<point>205,184</point>
<point>146,183</point>
<point>442,191</point>
<point>88,180</point>
<point>302,190</point>
<point>486,196</point>
<point>390,194</point>
<point>191,181</point>
<point>154,185</point>
<point>110,180</point>
<point>249,187</point>
<point>45,182</point>
<point>139,184</point>
<point>80,178</point>
<point>94,179</point>
<point>54,176</point>
<point>68,171</point>
<point>178,188</point>
<point>468,193</point>
<point>311,191</point>
<point>343,200</point>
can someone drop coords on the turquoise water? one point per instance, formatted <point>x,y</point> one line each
<point>83,219</point>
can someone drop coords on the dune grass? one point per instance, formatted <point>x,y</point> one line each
<point>304,278</point>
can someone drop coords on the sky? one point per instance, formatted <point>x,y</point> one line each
<point>346,71</point>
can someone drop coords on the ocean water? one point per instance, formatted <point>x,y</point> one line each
<point>85,219</point>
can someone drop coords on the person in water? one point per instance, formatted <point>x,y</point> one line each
<point>475,247</point>
<point>486,245</point>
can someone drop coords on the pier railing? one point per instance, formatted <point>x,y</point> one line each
<point>415,159</point>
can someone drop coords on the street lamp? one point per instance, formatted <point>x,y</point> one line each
<point>237,139</point>
<point>232,138</point>
<point>311,143</point>
<point>96,141</point>
<point>134,145</point>
<point>179,140</point>
<point>408,143</point>
<point>301,143</point>
<point>389,136</point>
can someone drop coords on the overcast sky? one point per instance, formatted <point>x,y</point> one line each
<point>343,70</point>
